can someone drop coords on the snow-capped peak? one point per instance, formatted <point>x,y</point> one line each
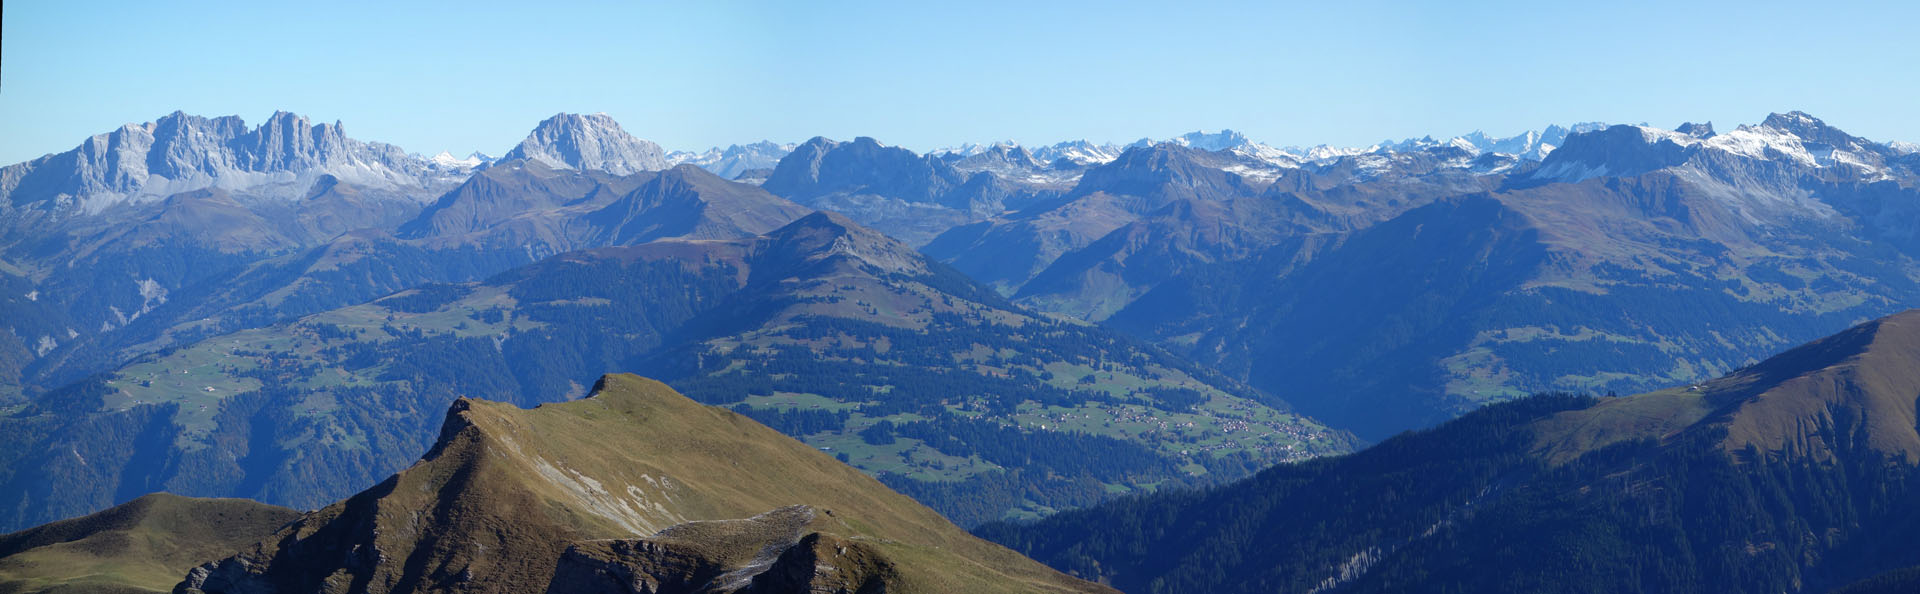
<point>1533,145</point>
<point>1325,152</point>
<point>735,159</point>
<point>1793,139</point>
<point>973,148</point>
<point>1078,151</point>
<point>1233,142</point>
<point>447,160</point>
<point>1761,142</point>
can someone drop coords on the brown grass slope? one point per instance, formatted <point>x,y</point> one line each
<point>143,545</point>
<point>633,488</point>
<point>1858,387</point>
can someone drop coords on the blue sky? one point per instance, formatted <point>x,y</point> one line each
<point>464,76</point>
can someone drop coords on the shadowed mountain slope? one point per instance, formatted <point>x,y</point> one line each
<point>1796,474</point>
<point>825,329</point>
<point>507,215</point>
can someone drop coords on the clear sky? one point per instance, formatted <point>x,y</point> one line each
<point>465,76</point>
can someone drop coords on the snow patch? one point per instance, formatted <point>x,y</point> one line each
<point>1571,171</point>
<point>447,160</point>
<point>1251,173</point>
<point>1762,143</point>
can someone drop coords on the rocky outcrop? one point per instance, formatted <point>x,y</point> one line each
<point>778,551</point>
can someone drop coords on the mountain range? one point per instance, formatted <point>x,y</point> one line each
<point>1530,145</point>
<point>825,329</point>
<point>1292,275</point>
<point>1655,257</point>
<point>88,290</point>
<point>999,331</point>
<point>1081,238</point>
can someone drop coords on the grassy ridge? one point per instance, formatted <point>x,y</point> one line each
<point>144,545</point>
<point>506,492</point>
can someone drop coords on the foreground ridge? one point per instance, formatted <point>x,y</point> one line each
<point>633,489</point>
<point>1796,474</point>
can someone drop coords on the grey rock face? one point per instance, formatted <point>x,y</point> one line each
<point>1002,159</point>
<point>588,142</point>
<point>177,153</point>
<point>822,167</point>
<point>909,196</point>
<point>1165,172</point>
<point>1696,130</point>
<point>1224,140</point>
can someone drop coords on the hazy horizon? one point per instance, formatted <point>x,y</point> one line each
<point>472,77</point>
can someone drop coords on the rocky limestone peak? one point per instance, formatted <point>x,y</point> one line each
<point>183,143</point>
<point>588,142</point>
<point>1701,131</point>
<point>1166,159</point>
<point>820,167</point>
<point>800,169</point>
<point>1809,129</point>
<point>1621,150</point>
<point>288,141</point>
<point>1000,157</point>
<point>1213,141</point>
<point>181,152</point>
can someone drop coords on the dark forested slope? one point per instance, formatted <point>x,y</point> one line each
<point>1795,474</point>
